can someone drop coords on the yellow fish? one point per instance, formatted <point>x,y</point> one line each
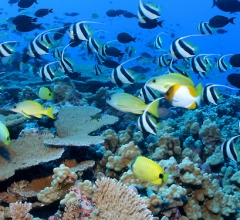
<point>184,96</point>
<point>31,108</point>
<point>4,134</point>
<point>125,102</point>
<point>45,94</point>
<point>148,170</point>
<point>164,82</point>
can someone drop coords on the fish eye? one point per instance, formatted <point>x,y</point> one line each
<point>160,176</point>
<point>154,80</point>
<point>8,138</point>
<point>49,94</point>
<point>14,106</point>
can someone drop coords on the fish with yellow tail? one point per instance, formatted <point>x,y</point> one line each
<point>164,82</point>
<point>4,134</point>
<point>184,96</point>
<point>128,103</point>
<point>31,108</point>
<point>148,170</point>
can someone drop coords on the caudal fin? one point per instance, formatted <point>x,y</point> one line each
<point>49,112</point>
<point>231,20</point>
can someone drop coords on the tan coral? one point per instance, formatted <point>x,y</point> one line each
<point>63,179</point>
<point>111,137</point>
<point>167,146</point>
<point>74,125</point>
<point>36,153</point>
<point>114,200</point>
<point>126,153</point>
<point>86,187</point>
<point>19,211</point>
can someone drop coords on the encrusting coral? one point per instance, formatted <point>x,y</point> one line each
<point>74,125</point>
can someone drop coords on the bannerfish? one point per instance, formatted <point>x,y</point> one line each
<point>229,150</point>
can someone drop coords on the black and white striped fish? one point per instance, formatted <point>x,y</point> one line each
<point>205,29</point>
<point>199,65</point>
<point>122,75</point>
<point>81,32</point>
<point>146,123</point>
<point>179,49</point>
<point>211,95</point>
<point>163,61</point>
<point>158,41</point>
<point>5,49</point>
<point>147,94</point>
<point>65,66</point>
<point>93,46</point>
<point>104,47</point>
<point>99,58</point>
<point>230,151</point>
<point>47,72</point>
<point>97,70</point>
<point>38,48</point>
<point>173,68</point>
<point>222,65</point>
<point>46,38</point>
<point>147,11</point>
<point>56,53</point>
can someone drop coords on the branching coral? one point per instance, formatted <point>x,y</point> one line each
<point>19,211</point>
<point>114,200</point>
<point>74,125</point>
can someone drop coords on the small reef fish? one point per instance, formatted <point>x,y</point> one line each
<point>219,21</point>
<point>125,102</point>
<point>148,170</point>
<point>45,94</point>
<point>4,134</point>
<point>146,123</point>
<point>43,12</point>
<point>125,38</point>
<point>230,151</point>
<point>146,94</point>
<point>235,60</point>
<point>184,96</point>
<point>205,29</point>
<point>31,108</point>
<point>164,82</point>
<point>179,49</point>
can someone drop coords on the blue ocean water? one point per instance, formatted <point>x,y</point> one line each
<point>180,18</point>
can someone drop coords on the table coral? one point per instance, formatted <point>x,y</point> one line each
<point>74,124</point>
<point>35,153</point>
